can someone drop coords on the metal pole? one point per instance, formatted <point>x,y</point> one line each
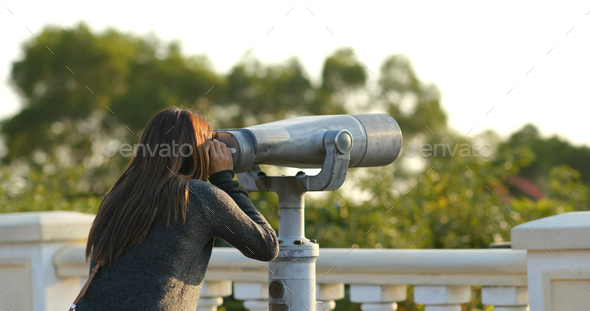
<point>292,274</point>
<point>291,215</point>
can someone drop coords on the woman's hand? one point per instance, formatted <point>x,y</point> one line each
<point>220,157</point>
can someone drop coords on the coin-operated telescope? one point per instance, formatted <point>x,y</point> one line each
<point>333,143</point>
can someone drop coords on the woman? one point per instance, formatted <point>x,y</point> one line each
<point>150,258</point>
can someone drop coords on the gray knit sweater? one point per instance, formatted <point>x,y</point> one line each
<point>166,271</point>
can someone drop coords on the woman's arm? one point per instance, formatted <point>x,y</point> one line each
<point>234,218</point>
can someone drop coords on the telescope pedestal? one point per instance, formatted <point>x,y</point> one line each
<point>291,275</point>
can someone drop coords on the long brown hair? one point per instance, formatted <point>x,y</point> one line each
<point>153,186</point>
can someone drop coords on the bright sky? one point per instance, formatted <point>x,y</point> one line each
<point>475,52</point>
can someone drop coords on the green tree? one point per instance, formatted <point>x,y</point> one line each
<point>550,152</point>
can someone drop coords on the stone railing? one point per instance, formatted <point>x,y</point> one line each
<point>442,279</point>
<point>42,267</point>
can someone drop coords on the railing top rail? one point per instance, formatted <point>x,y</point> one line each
<point>361,266</point>
<point>378,261</point>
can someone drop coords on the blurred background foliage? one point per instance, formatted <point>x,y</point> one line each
<point>96,88</point>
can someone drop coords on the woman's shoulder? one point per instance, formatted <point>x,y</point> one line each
<point>201,187</point>
<point>198,184</point>
<point>204,196</point>
<point>204,190</point>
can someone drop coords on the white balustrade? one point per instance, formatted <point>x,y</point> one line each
<point>254,294</point>
<point>558,260</point>
<point>442,298</point>
<point>256,305</point>
<point>209,303</point>
<point>506,298</point>
<point>42,267</point>
<point>378,297</point>
<point>212,293</point>
<point>327,293</point>
<point>29,243</point>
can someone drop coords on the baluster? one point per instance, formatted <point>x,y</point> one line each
<point>506,298</point>
<point>211,294</point>
<point>255,295</point>
<point>442,298</point>
<point>327,293</point>
<point>378,297</point>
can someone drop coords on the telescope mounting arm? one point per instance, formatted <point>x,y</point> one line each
<point>337,144</point>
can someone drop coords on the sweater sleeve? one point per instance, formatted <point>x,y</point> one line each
<point>234,218</point>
